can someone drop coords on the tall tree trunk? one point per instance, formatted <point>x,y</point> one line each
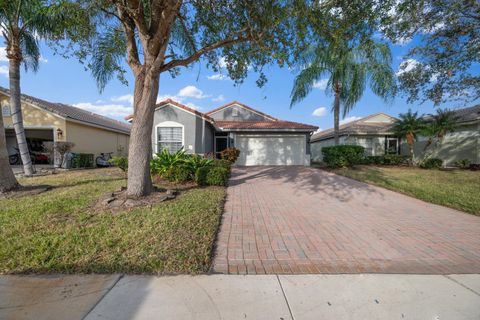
<point>140,146</point>
<point>7,178</point>
<point>336,115</point>
<point>15,106</point>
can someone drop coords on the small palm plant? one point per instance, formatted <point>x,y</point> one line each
<point>445,121</point>
<point>409,126</point>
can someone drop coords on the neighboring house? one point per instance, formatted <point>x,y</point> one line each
<point>47,121</point>
<point>464,143</point>
<point>261,138</point>
<point>373,132</point>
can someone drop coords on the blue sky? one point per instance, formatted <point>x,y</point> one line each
<point>67,81</point>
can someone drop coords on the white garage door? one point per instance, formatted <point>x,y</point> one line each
<point>270,150</point>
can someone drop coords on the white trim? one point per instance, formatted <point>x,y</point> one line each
<point>184,110</point>
<point>251,110</point>
<point>169,124</point>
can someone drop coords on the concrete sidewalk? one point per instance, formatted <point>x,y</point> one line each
<point>364,296</point>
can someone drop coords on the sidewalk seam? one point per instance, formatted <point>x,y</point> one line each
<point>285,297</point>
<point>461,284</point>
<point>103,296</point>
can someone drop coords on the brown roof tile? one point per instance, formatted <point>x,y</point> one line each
<point>259,125</point>
<point>74,113</point>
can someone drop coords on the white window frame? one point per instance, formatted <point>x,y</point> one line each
<point>169,124</point>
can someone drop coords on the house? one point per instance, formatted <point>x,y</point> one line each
<point>261,138</point>
<point>464,143</point>
<point>373,132</point>
<point>47,121</point>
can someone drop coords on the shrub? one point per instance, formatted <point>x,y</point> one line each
<point>60,148</point>
<point>343,155</point>
<point>431,163</point>
<point>180,173</point>
<point>463,164</point>
<point>119,161</point>
<point>222,163</point>
<point>195,162</point>
<point>217,176</point>
<point>201,175</point>
<point>373,160</point>
<point>394,159</point>
<point>474,167</point>
<point>164,161</point>
<point>230,154</point>
<point>82,160</point>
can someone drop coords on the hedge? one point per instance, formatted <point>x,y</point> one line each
<point>82,160</point>
<point>343,155</point>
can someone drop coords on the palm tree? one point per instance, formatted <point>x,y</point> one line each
<point>409,126</point>
<point>438,125</point>
<point>349,70</point>
<point>22,23</point>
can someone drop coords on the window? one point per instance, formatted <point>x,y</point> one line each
<point>170,138</point>
<point>5,110</point>
<point>391,145</point>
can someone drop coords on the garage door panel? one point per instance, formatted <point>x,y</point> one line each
<point>271,150</point>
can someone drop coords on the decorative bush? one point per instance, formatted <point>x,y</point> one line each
<point>180,173</point>
<point>474,167</point>
<point>463,164</point>
<point>343,155</point>
<point>201,175</point>
<point>164,161</point>
<point>217,176</point>
<point>394,159</point>
<point>195,162</point>
<point>223,164</point>
<point>431,163</point>
<point>230,154</point>
<point>120,162</point>
<point>82,160</point>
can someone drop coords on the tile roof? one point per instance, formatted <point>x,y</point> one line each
<point>243,106</point>
<point>358,127</point>
<point>468,114</point>
<point>74,113</point>
<point>259,125</point>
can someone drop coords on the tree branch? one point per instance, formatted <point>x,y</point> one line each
<point>132,50</point>
<point>195,56</point>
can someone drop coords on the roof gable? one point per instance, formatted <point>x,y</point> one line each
<point>170,102</point>
<point>73,113</point>
<point>236,111</point>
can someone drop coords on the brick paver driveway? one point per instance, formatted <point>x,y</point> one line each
<point>305,220</point>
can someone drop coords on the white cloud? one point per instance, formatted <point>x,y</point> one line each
<point>3,54</point>
<point>218,76</point>
<point>407,66</point>
<point>350,119</point>
<point>318,130</point>
<point>219,98</point>
<point>321,84</point>
<point>125,98</point>
<point>319,112</point>
<point>192,92</point>
<point>222,63</point>
<point>4,70</point>
<point>169,96</point>
<point>109,110</point>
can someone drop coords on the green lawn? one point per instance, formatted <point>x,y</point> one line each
<point>456,189</point>
<point>56,231</point>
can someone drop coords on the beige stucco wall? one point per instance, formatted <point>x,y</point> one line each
<point>34,117</point>
<point>464,143</point>
<point>94,140</point>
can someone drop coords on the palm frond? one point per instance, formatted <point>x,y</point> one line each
<point>30,51</point>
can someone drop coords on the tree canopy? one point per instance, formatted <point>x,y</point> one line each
<point>443,67</point>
